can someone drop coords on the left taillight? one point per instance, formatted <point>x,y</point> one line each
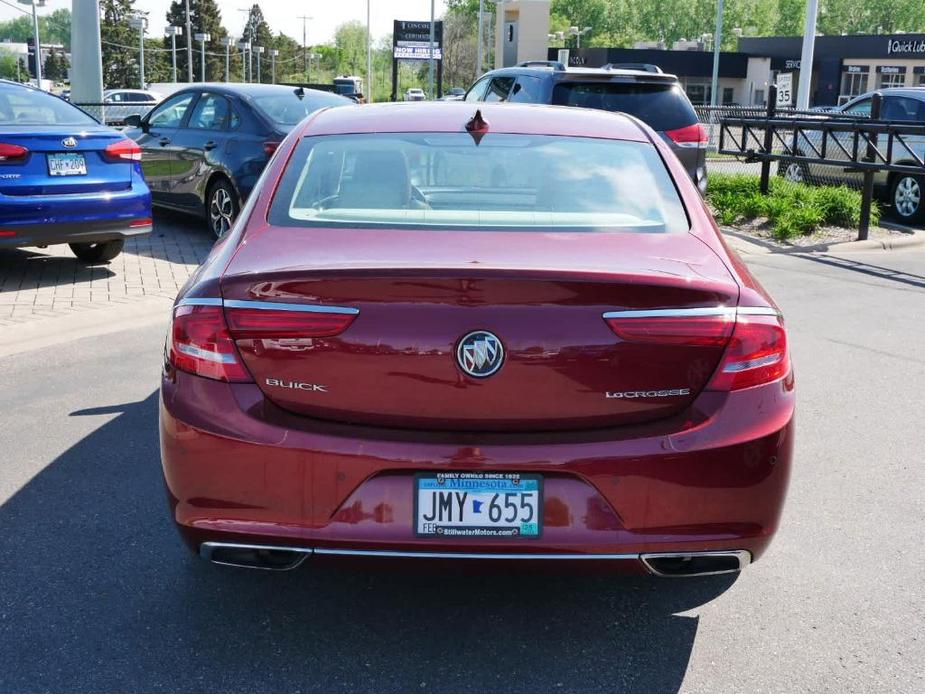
<point>123,150</point>
<point>201,344</point>
<point>689,136</point>
<point>10,152</point>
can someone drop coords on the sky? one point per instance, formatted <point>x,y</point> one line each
<point>282,14</point>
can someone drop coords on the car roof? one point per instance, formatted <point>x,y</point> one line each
<point>915,92</point>
<point>452,116</point>
<point>551,71</point>
<point>241,89</point>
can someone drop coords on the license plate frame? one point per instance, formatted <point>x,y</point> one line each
<point>484,487</point>
<point>76,167</point>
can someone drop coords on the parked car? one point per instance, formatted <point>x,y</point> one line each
<point>454,94</point>
<point>415,94</point>
<point>642,91</point>
<point>204,147</point>
<point>904,191</point>
<point>122,103</point>
<point>477,332</point>
<point>64,178</point>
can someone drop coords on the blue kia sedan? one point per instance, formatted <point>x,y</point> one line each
<point>64,178</point>
<point>205,146</point>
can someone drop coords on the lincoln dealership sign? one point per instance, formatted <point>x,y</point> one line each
<point>898,46</point>
<point>411,40</point>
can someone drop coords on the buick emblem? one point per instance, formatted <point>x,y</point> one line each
<point>480,354</point>
<point>69,142</point>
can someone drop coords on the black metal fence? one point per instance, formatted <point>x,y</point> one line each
<point>848,146</point>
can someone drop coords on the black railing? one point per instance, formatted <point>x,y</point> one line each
<point>866,145</point>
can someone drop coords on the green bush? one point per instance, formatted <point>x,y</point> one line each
<point>792,209</point>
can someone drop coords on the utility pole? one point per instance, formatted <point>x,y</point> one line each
<point>717,40</point>
<point>806,59</point>
<point>305,44</point>
<point>189,45</point>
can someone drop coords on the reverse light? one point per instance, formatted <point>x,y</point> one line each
<point>757,354</point>
<point>693,331</point>
<point>10,152</point>
<point>261,323</point>
<point>201,344</point>
<point>123,150</point>
<point>689,136</point>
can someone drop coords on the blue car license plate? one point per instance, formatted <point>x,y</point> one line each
<point>478,504</point>
<point>67,164</point>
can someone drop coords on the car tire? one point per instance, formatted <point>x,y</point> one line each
<point>906,197</point>
<point>221,207</point>
<point>102,252</point>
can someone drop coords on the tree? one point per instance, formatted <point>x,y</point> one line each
<point>257,31</point>
<point>206,18</point>
<point>350,42</point>
<point>460,46</point>
<point>120,44</point>
<point>56,66</point>
<point>7,65</point>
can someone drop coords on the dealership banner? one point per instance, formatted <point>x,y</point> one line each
<point>411,40</point>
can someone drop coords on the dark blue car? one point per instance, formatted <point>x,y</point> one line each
<point>64,178</point>
<point>205,146</point>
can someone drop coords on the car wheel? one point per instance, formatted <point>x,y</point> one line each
<point>221,207</point>
<point>906,196</point>
<point>101,252</point>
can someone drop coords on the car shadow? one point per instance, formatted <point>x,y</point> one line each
<point>98,594</point>
<point>176,237</point>
<point>28,268</point>
<point>869,269</point>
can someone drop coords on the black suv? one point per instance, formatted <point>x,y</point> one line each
<point>640,90</point>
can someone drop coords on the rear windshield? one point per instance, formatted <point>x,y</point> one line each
<point>20,106</point>
<point>453,180</point>
<point>661,106</point>
<point>288,109</point>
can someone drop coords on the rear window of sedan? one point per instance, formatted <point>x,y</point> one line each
<point>497,182</point>
<point>288,109</point>
<point>662,106</point>
<point>19,106</point>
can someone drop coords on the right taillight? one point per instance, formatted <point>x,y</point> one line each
<point>10,152</point>
<point>756,354</point>
<point>201,344</point>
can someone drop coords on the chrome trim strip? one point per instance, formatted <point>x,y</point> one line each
<point>207,549</point>
<point>204,301</point>
<point>278,306</point>
<point>729,311</point>
<point>468,555</point>
<point>744,558</point>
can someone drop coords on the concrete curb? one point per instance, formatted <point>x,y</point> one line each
<point>747,245</point>
<point>58,330</point>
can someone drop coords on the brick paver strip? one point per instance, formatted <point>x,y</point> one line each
<point>42,283</point>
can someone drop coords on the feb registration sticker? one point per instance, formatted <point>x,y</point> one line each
<point>478,504</point>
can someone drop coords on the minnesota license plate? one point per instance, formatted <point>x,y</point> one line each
<point>478,504</point>
<point>67,164</point>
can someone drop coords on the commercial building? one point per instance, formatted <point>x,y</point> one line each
<point>843,66</point>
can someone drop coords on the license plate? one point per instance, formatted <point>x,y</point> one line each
<point>67,164</point>
<point>478,504</point>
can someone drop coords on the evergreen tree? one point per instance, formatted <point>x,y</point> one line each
<point>205,17</point>
<point>257,31</point>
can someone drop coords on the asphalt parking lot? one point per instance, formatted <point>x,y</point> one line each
<point>98,594</point>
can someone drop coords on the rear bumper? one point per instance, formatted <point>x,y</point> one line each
<point>44,220</point>
<point>238,470</point>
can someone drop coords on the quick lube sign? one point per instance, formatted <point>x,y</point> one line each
<point>899,46</point>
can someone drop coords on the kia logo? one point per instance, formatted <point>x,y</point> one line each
<point>69,142</point>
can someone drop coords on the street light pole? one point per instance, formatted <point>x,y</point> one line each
<point>478,58</point>
<point>35,38</point>
<point>430,63</point>
<point>806,58</point>
<point>139,23</point>
<point>260,50</point>
<point>273,53</point>
<point>717,40</point>
<point>242,45</point>
<point>202,38</point>
<point>369,59</point>
<point>227,42</point>
<point>173,32</point>
<point>189,45</point>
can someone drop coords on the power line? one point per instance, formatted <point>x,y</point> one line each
<point>15,7</point>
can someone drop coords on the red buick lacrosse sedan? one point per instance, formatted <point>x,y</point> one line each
<point>505,334</point>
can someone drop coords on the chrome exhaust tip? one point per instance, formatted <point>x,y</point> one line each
<point>670,564</point>
<point>264,557</point>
